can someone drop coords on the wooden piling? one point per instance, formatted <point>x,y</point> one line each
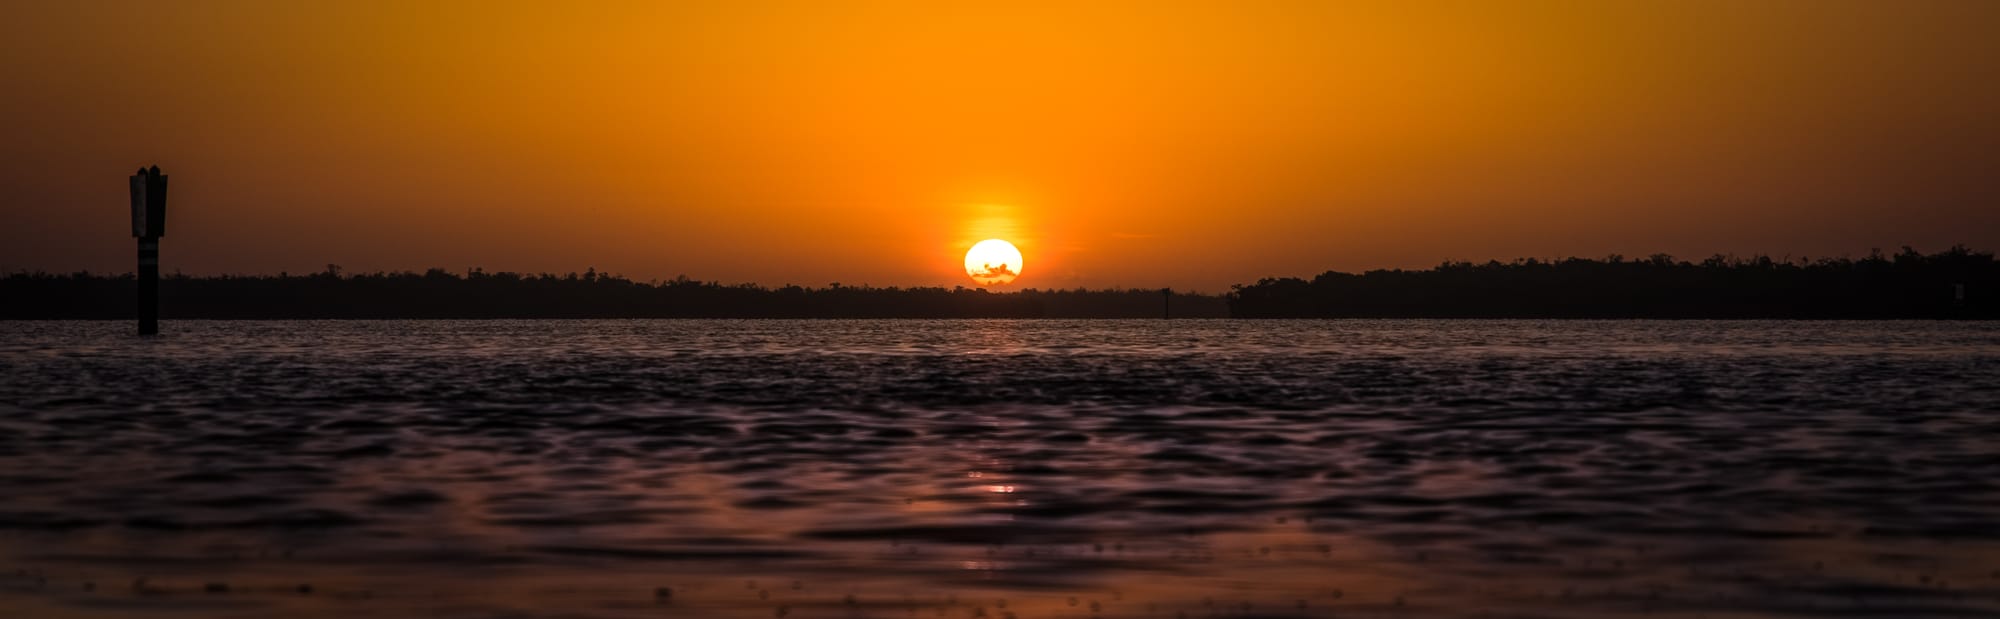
<point>149,286</point>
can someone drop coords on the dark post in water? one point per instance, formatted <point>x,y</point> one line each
<point>1166,303</point>
<point>149,223</point>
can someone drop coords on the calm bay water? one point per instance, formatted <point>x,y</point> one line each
<point>1001,468</point>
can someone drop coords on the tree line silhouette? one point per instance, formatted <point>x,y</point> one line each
<point>480,294</point>
<point>1956,283</point>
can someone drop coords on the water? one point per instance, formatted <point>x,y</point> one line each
<point>972,469</point>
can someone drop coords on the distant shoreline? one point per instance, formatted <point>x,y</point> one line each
<point>1957,284</point>
<point>478,295</point>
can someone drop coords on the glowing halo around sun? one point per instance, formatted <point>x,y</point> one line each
<point>993,262</point>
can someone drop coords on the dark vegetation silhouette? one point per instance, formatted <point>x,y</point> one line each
<point>479,294</point>
<point>1906,285</point>
<point>990,271</point>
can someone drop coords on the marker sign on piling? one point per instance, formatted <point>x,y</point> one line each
<point>149,203</point>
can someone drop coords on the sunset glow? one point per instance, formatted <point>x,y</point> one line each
<point>756,142</point>
<point>633,309</point>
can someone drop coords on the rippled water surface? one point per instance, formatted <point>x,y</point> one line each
<point>971,469</point>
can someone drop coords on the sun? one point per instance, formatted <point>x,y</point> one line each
<point>993,262</point>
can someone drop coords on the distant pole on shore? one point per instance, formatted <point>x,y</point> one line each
<point>149,223</point>
<point>1166,304</point>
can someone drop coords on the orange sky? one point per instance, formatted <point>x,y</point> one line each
<point>1184,144</point>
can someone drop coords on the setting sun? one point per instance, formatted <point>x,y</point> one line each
<point>993,262</point>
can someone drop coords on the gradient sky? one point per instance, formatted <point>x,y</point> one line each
<point>1184,144</point>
